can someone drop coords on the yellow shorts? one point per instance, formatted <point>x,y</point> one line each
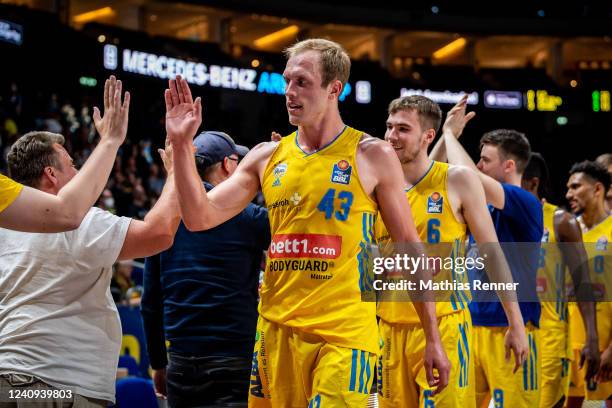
<point>578,387</point>
<point>494,376</point>
<point>401,374</point>
<point>555,350</point>
<point>293,369</point>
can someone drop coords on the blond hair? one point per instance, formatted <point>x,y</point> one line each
<point>334,60</point>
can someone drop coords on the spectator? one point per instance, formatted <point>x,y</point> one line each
<point>63,293</point>
<point>201,296</point>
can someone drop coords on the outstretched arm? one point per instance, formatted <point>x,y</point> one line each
<point>466,184</point>
<point>156,232</point>
<point>37,211</point>
<point>396,214</point>
<point>201,210</point>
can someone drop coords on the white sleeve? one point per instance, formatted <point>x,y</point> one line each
<point>99,239</point>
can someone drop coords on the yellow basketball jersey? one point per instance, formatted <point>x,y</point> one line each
<point>321,221</point>
<point>551,274</point>
<point>435,223</point>
<point>9,190</point>
<point>597,246</point>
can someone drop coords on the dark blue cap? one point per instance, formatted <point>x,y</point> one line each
<point>213,146</point>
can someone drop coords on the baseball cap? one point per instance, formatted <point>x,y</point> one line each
<point>213,146</point>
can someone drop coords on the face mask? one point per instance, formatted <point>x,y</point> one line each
<point>109,202</point>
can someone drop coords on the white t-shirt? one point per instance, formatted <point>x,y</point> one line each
<point>58,320</point>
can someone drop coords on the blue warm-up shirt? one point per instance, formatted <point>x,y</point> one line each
<point>201,294</point>
<point>520,221</point>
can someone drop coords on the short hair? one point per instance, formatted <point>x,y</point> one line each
<point>30,154</point>
<point>536,167</point>
<point>604,159</point>
<point>429,112</point>
<point>334,60</point>
<point>205,170</point>
<point>511,144</point>
<point>595,171</point>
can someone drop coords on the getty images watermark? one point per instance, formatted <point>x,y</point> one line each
<point>448,272</point>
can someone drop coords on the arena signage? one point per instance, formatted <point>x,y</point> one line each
<point>542,101</point>
<point>503,99</point>
<point>601,101</point>
<point>198,73</point>
<point>11,32</point>
<point>444,97</point>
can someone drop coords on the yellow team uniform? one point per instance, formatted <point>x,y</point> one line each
<point>316,341</point>
<point>554,341</point>
<point>597,244</point>
<point>9,190</point>
<point>401,374</point>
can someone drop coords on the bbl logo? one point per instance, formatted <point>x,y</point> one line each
<point>278,172</point>
<point>434,203</point>
<point>341,173</point>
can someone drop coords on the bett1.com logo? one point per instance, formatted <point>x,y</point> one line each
<point>306,246</point>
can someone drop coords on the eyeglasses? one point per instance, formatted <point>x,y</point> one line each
<point>234,159</point>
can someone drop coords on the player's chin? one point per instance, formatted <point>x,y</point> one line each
<point>294,120</point>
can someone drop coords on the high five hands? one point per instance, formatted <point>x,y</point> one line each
<point>183,114</point>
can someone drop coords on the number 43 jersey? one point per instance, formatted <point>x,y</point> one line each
<point>321,221</point>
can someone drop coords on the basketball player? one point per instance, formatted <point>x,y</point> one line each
<point>586,191</point>
<point>27,209</point>
<point>517,216</point>
<point>444,199</point>
<point>559,226</point>
<point>316,341</point>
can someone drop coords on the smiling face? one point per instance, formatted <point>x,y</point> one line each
<point>405,134</point>
<point>307,100</point>
<point>67,170</point>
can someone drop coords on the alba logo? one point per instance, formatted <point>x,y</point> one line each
<point>435,196</point>
<point>343,165</point>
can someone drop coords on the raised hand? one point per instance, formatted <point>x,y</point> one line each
<point>456,118</point>
<point>515,341</point>
<point>113,125</point>
<point>183,115</point>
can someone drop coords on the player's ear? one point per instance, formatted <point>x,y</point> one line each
<point>430,135</point>
<point>509,165</point>
<point>335,89</point>
<point>49,176</point>
<point>599,188</point>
